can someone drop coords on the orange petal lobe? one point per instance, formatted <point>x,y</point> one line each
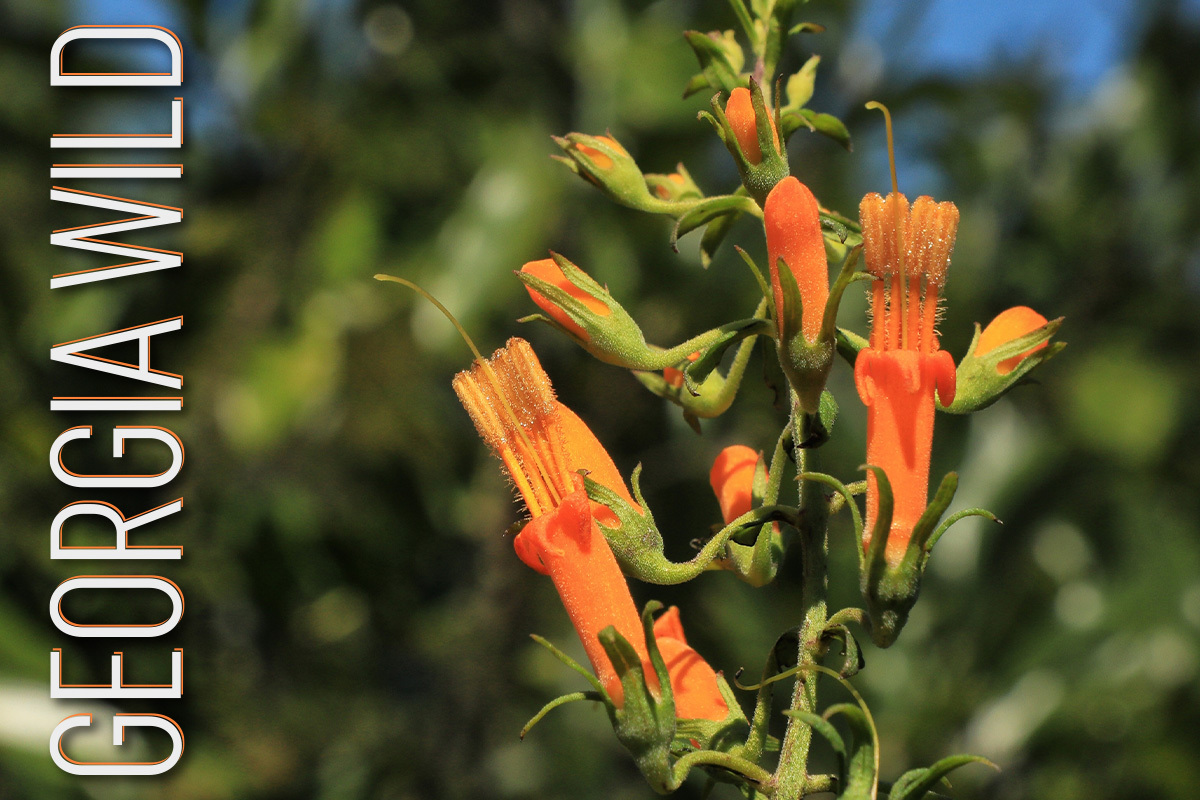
<point>693,681</point>
<point>732,480</point>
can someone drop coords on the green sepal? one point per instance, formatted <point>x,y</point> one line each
<point>979,384</point>
<point>574,665</point>
<point>638,545</point>
<point>927,522</point>
<point>917,783</point>
<point>891,589</point>
<point>758,563</point>
<point>847,275</point>
<point>817,122</point>
<point>955,517</point>
<point>806,364</point>
<point>645,723</point>
<point>721,60</point>
<point>725,736</point>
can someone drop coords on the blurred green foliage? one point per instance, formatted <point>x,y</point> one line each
<point>357,623</point>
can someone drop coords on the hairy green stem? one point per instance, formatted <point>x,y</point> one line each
<point>791,778</point>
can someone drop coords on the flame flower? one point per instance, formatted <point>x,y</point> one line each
<point>908,252</point>
<point>543,446</point>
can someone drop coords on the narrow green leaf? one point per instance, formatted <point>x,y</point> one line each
<point>555,703</point>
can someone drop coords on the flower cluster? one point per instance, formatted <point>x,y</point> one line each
<point>589,530</point>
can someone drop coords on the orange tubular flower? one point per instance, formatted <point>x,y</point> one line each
<point>549,271</point>
<point>1010,324</point>
<point>543,445</point>
<point>898,373</point>
<point>793,225</point>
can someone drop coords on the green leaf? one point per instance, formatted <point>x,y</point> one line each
<point>714,234</point>
<point>800,85</point>
<point>731,333</point>
<point>719,56</point>
<point>707,210</point>
<point>806,27</point>
<point>915,784</point>
<point>859,778</point>
<point>555,703</point>
<point>824,124</point>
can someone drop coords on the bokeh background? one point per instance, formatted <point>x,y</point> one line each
<point>357,623</point>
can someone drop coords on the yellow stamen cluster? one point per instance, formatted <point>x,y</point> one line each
<point>908,251</point>
<point>511,401</point>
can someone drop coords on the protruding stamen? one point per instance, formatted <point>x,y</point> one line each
<point>932,230</point>
<point>511,401</point>
<point>884,230</point>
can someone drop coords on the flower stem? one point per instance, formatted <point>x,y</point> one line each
<point>791,776</point>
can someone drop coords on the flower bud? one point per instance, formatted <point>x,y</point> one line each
<point>602,161</point>
<point>1010,324</point>
<point>739,110</point>
<point>800,283</point>
<point>1000,355</point>
<point>749,131</point>
<point>736,472</point>
<point>676,186</point>
<point>548,270</point>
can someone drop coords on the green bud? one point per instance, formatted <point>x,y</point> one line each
<point>603,162</point>
<point>1011,346</point>
<point>583,309</point>
<point>750,133</point>
<point>674,187</point>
